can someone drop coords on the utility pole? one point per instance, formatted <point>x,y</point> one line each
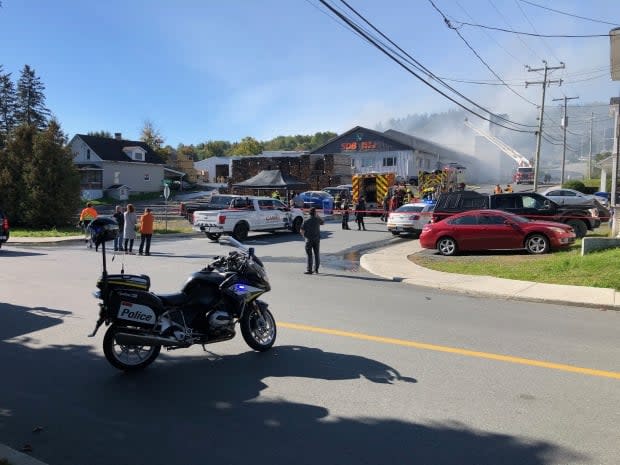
<point>590,152</point>
<point>564,125</point>
<point>544,83</point>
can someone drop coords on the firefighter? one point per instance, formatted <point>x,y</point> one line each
<point>498,189</point>
<point>275,195</point>
<point>408,196</point>
<point>508,188</point>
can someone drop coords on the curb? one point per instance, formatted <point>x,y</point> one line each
<point>396,266</point>
<point>17,458</point>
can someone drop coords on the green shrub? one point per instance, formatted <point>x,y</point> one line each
<point>574,184</point>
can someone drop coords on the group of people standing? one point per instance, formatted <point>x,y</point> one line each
<point>359,210</point>
<point>128,224</point>
<point>498,189</point>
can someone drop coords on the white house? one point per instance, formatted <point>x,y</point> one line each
<point>104,162</point>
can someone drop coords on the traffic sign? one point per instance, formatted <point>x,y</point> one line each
<point>166,192</point>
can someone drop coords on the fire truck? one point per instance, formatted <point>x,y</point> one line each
<point>524,175</point>
<point>372,187</point>
<point>450,178</point>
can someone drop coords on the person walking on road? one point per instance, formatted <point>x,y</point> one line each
<point>129,229</point>
<point>87,215</point>
<point>146,232</point>
<point>120,219</point>
<point>360,209</point>
<point>311,231</point>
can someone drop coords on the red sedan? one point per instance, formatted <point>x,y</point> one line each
<point>494,230</point>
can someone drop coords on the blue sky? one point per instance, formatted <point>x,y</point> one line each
<point>213,69</point>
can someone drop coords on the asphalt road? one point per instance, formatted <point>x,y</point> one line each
<point>364,370</point>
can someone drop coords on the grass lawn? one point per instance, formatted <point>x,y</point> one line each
<point>599,269</point>
<point>175,226</point>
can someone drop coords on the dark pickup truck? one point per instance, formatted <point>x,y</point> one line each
<point>4,228</point>
<point>528,204</point>
<point>216,202</point>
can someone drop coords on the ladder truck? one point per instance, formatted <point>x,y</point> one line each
<point>524,173</point>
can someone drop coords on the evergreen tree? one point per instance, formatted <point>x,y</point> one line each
<point>31,107</point>
<point>105,134</point>
<point>14,160</point>
<point>51,180</point>
<point>8,102</point>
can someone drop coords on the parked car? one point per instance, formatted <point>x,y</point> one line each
<point>410,218</point>
<point>478,230</point>
<point>571,197</point>
<point>340,192</point>
<point>4,228</point>
<point>563,196</point>
<point>311,199</point>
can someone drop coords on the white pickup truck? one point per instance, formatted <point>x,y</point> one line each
<point>247,214</point>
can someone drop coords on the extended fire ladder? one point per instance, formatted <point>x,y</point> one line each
<point>512,153</point>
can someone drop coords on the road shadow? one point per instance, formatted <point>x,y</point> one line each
<point>71,406</point>
<point>4,252</point>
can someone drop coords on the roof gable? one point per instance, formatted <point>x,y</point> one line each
<point>360,139</point>
<point>112,149</point>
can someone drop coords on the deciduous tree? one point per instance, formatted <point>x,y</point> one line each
<point>247,146</point>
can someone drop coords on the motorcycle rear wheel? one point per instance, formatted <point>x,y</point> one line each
<point>126,357</point>
<point>258,328</point>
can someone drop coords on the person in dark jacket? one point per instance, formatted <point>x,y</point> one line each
<point>120,219</point>
<point>311,231</point>
<point>345,213</point>
<point>360,209</point>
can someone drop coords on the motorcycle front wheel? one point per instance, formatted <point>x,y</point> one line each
<point>127,357</point>
<point>258,328</point>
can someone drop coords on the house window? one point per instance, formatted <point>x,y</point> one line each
<point>420,163</point>
<point>147,176</point>
<point>427,164</point>
<point>88,154</point>
<point>366,162</point>
<point>138,156</point>
<point>117,177</point>
<point>389,161</point>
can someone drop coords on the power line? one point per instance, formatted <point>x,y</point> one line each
<point>368,37</point>
<point>487,34</point>
<point>544,42</point>
<point>568,14</point>
<point>509,25</point>
<point>531,34</point>
<point>447,21</point>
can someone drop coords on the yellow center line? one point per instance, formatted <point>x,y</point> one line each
<point>454,350</point>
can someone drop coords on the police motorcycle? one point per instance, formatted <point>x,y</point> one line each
<point>206,310</point>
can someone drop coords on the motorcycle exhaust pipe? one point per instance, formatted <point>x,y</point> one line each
<point>146,340</point>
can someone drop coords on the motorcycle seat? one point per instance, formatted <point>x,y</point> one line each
<point>174,300</point>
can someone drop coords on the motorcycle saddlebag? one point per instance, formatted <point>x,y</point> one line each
<point>135,308</point>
